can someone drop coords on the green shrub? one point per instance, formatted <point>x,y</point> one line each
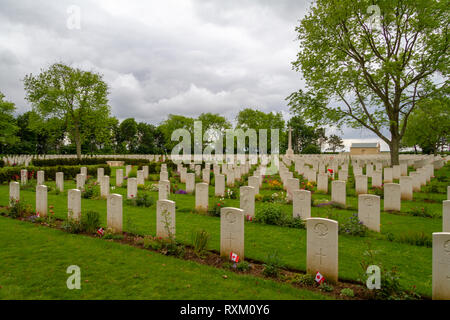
<point>218,205</point>
<point>112,236</point>
<point>90,221</point>
<point>422,212</point>
<point>325,287</point>
<point>70,172</point>
<point>91,191</point>
<point>353,227</point>
<point>243,266</point>
<point>73,226</point>
<point>272,265</point>
<point>304,279</point>
<point>294,222</point>
<point>18,209</point>
<point>390,281</point>
<point>200,239</point>
<point>143,199</point>
<point>347,292</point>
<point>269,214</point>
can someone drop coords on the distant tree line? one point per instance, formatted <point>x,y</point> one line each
<point>70,114</point>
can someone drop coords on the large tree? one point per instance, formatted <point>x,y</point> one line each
<point>429,126</point>
<point>8,127</point>
<point>256,119</point>
<point>366,74</point>
<point>148,139</point>
<point>128,129</point>
<point>305,138</point>
<point>335,142</point>
<point>213,127</point>
<point>78,97</point>
<point>172,123</point>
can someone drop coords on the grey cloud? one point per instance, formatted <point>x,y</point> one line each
<point>157,57</point>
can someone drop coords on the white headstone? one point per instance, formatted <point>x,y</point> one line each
<point>369,211</point>
<point>247,200</point>
<point>388,175</point>
<point>165,219</point>
<point>114,212</point>
<point>301,204</point>
<point>219,189</point>
<point>201,196</point>
<point>322,248</point>
<point>41,200</point>
<point>14,192</point>
<point>119,177</point>
<point>40,177</point>
<point>131,188</point>
<point>232,232</point>
<point>322,182</point>
<point>205,175</point>
<point>361,184</point>
<point>253,181</point>
<point>446,216</point>
<point>74,204</point>
<point>338,192</point>
<point>100,174</point>
<point>23,176</point>
<point>104,186</point>
<point>164,189</point>
<point>392,197</point>
<point>406,188</point>
<point>190,182</point>
<point>59,177</point>
<point>81,179</point>
<point>441,266</point>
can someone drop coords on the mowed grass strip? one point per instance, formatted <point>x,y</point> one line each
<point>34,260</point>
<point>413,262</point>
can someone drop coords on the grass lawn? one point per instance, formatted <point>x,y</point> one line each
<point>34,259</point>
<point>413,262</point>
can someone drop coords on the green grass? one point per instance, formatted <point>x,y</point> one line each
<point>413,262</point>
<point>34,260</point>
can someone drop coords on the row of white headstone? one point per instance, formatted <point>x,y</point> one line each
<point>322,234</point>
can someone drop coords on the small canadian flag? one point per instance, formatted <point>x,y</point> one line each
<point>234,257</point>
<point>319,278</point>
<point>100,231</point>
<point>249,218</point>
<point>37,214</point>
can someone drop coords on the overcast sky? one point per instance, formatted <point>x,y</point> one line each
<point>160,57</point>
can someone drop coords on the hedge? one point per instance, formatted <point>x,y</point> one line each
<point>70,172</point>
<point>84,161</point>
<point>153,167</point>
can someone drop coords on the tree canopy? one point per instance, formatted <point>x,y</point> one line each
<point>429,126</point>
<point>8,127</point>
<point>371,75</point>
<point>78,97</point>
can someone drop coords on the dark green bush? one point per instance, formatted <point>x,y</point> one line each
<point>353,227</point>
<point>269,214</point>
<point>143,199</point>
<point>13,173</point>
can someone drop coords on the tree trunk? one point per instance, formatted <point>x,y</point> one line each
<point>78,141</point>
<point>394,146</point>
